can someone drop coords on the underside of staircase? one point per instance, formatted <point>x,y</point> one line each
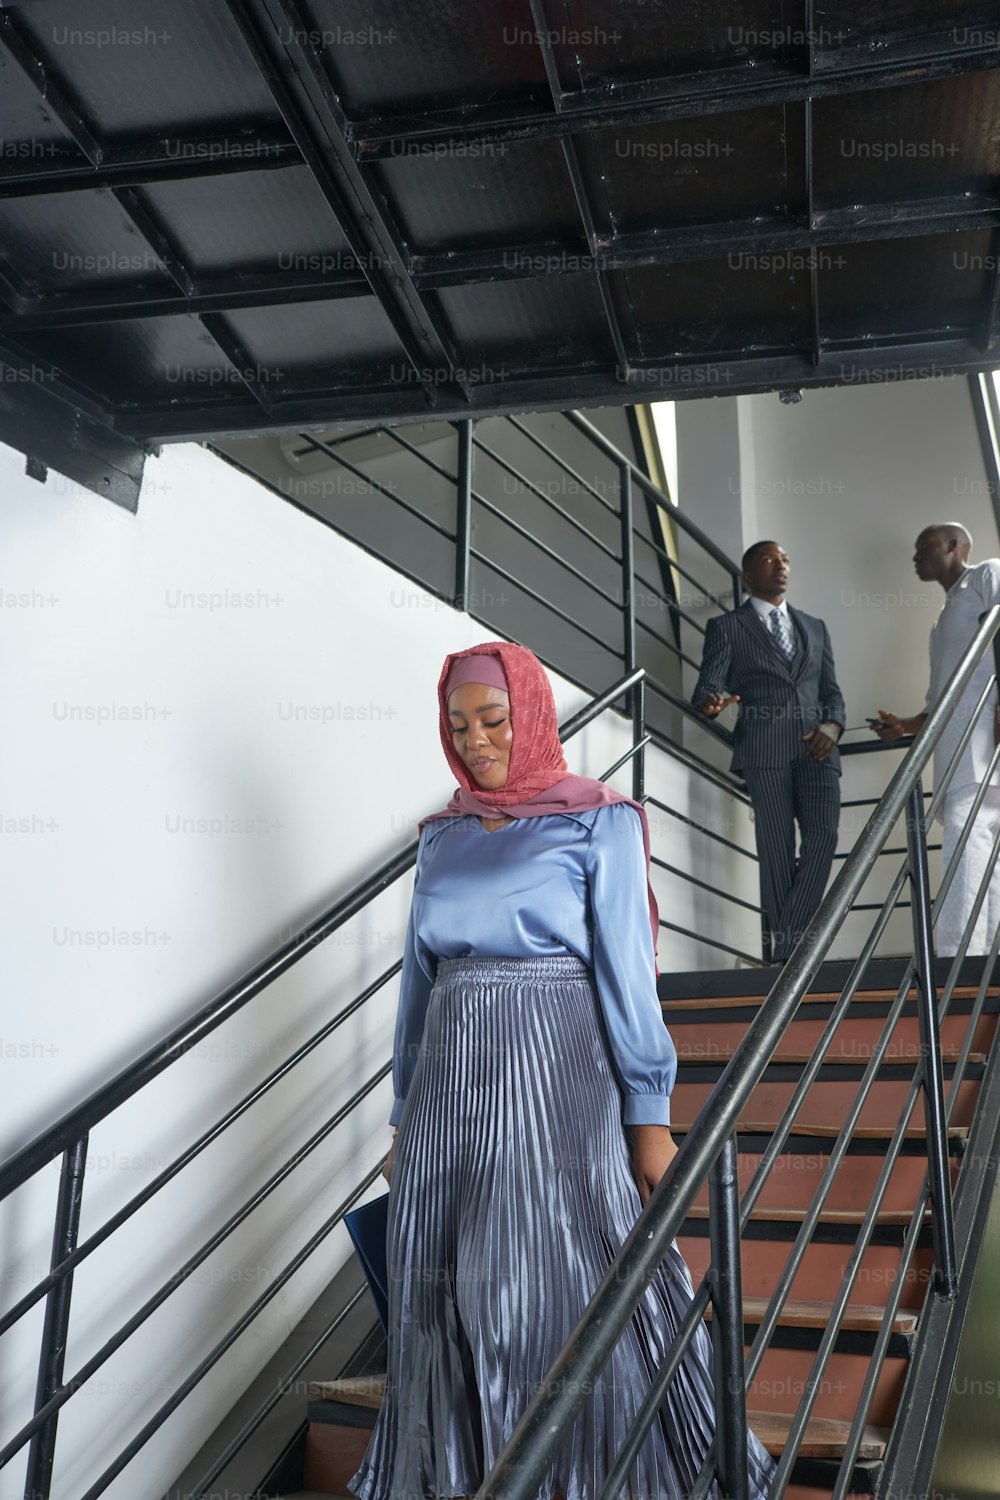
<point>707,1014</point>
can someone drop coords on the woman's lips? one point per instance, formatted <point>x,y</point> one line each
<point>483,765</point>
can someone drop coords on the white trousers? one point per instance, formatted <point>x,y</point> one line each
<point>957,905</point>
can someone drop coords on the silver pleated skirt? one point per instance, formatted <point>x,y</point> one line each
<point>510,1195</point>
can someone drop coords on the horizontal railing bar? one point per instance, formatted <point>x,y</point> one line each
<point>581,423</point>
<point>88,1246</point>
<point>694,762</point>
<point>931,848</point>
<point>413,510</point>
<point>713,889</point>
<point>211,1359</point>
<point>526,1456</point>
<point>546,500</point>
<point>40,1151</point>
<point>689,711</point>
<point>567,468</point>
<point>629,754</point>
<point>545,603</point>
<point>701,937</point>
<point>604,700</point>
<point>667,645</point>
<point>92,1365</point>
<point>702,828</point>
<point>671,562</point>
<point>670,604</point>
<point>544,548</point>
<point>431,463</point>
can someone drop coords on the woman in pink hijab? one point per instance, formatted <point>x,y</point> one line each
<point>532,1075</point>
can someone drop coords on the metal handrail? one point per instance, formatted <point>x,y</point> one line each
<point>521,1466</point>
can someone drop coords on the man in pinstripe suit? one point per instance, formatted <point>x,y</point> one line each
<point>777,663</point>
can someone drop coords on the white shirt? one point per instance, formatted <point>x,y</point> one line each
<point>764,608</point>
<point>977,590</point>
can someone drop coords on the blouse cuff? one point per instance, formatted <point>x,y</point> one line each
<point>396,1111</point>
<point>646,1109</point>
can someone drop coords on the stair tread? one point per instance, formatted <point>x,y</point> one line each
<point>356,1390</point>
<point>722,1055</point>
<point>791,1215</point>
<point>803,1313</point>
<point>820,997</point>
<point>861,1132</point>
<point>825,1437</point>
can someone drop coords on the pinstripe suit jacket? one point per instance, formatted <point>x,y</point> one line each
<point>780,701</point>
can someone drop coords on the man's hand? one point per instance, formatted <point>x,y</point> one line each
<point>819,745</point>
<point>889,728</point>
<point>653,1149</point>
<point>716,702</point>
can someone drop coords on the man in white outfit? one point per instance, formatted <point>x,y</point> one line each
<point>941,556</point>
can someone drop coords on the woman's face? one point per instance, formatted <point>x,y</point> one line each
<point>481,731</point>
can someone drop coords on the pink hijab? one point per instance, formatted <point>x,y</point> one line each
<point>538,781</point>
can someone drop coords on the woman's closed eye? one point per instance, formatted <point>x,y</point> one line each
<point>460,728</point>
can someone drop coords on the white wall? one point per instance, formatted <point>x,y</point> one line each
<point>220,656</point>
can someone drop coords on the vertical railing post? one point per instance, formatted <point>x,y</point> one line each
<point>625,504</point>
<point>725,1280</point>
<point>638,697</point>
<point>41,1452</point>
<point>935,1120</point>
<point>463,516</point>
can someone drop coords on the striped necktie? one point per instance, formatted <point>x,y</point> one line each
<point>780,632</point>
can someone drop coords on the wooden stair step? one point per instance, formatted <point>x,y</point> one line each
<point>787,1215</point>
<point>858,1316</point>
<point>825,1437</point>
<point>798,1127</point>
<point>723,1054</point>
<point>820,997</point>
<point>354,1390</point>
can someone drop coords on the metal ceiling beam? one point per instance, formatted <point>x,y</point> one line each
<point>543,34</point>
<point>273,31</point>
<point>557,389</point>
<point>213,294</point>
<point>752,83</point>
<point>246,149</point>
<point>749,237</point>
<point>57,435</point>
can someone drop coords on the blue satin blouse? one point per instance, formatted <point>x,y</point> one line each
<point>563,883</point>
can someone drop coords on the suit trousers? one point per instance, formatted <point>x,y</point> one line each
<point>806,792</point>
<point>956,908</point>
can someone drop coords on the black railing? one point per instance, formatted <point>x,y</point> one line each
<point>626,535</point>
<point>708,1152</point>
<point>69,1136</point>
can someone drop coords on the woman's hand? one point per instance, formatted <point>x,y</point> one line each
<point>653,1149</point>
<point>387,1164</point>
